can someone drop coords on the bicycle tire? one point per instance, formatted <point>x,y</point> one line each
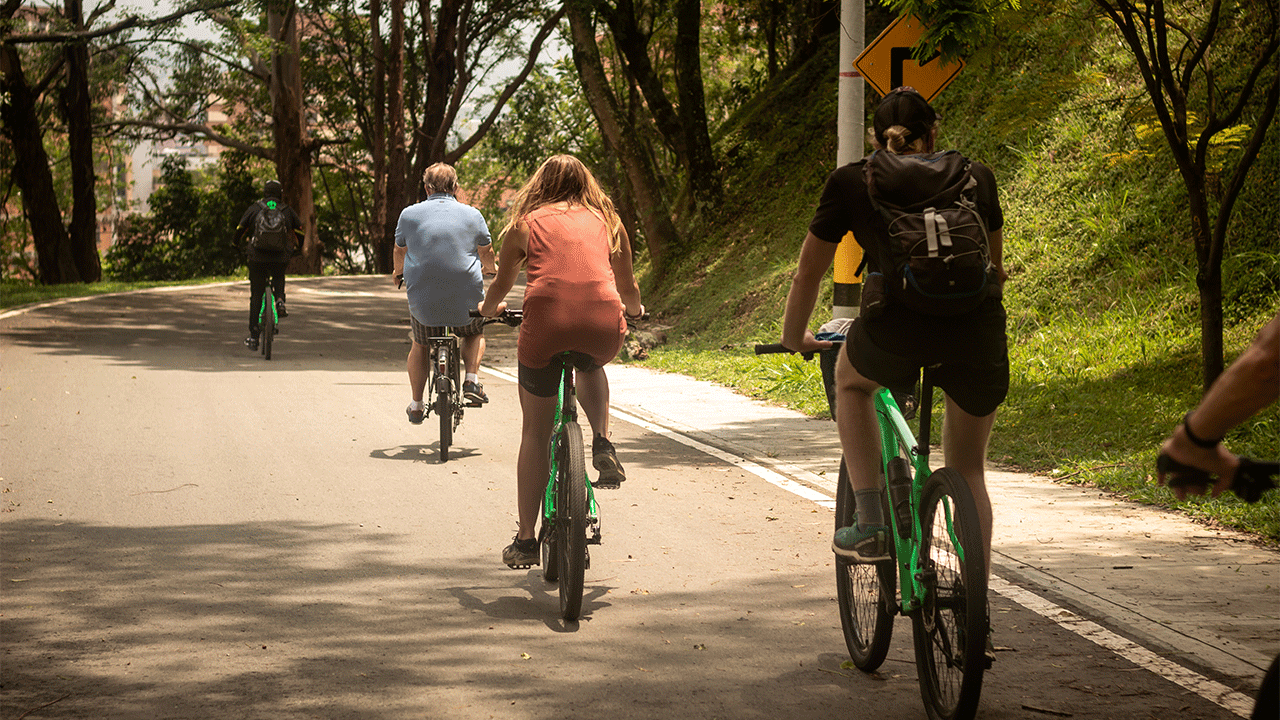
<point>571,521</point>
<point>268,323</point>
<point>950,628</point>
<point>865,593</point>
<point>444,402</point>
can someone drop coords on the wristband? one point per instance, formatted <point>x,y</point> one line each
<point>1195,440</point>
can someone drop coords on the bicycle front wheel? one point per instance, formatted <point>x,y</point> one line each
<point>950,628</point>
<point>268,323</point>
<point>865,593</point>
<point>571,521</point>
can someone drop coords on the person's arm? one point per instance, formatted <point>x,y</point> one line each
<point>397,270</point>
<point>624,277</point>
<point>816,256</point>
<point>488,260</point>
<point>246,222</point>
<point>510,260</point>
<point>1249,384</point>
<point>299,235</point>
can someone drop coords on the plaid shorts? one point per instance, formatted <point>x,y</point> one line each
<point>423,333</point>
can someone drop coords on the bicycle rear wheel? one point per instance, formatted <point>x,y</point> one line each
<point>865,593</point>
<point>571,521</point>
<point>950,628</point>
<point>268,322</point>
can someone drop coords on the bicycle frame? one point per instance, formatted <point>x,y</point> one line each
<point>566,412</point>
<point>896,434</point>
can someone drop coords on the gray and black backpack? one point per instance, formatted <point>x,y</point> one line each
<point>935,255</point>
<point>271,228</point>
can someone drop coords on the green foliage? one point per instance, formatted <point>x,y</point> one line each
<point>1103,307</point>
<point>952,27</point>
<point>188,233</point>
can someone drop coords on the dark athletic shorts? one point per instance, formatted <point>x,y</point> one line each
<point>422,333</point>
<point>971,351</point>
<point>545,382</point>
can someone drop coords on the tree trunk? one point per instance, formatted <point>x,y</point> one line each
<point>655,218</point>
<point>293,147</point>
<point>77,110</point>
<point>378,238</point>
<point>397,158</point>
<point>54,261</point>
<point>634,47</point>
<point>704,176</point>
<point>440,39</point>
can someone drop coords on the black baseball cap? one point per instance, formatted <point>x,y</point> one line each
<point>908,108</point>
<point>273,188</point>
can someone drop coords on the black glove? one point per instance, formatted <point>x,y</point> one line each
<point>1251,479</point>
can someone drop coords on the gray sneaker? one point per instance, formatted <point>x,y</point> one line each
<point>862,545</point>
<point>521,554</point>
<point>605,459</point>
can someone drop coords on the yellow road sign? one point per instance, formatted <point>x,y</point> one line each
<point>887,62</point>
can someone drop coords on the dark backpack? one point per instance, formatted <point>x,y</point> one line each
<point>271,228</point>
<point>935,254</point>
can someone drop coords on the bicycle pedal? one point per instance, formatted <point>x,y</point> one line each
<point>602,485</point>
<point>473,404</point>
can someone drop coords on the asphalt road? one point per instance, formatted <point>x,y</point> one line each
<point>190,531</point>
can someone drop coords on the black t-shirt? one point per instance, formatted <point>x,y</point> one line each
<point>845,207</point>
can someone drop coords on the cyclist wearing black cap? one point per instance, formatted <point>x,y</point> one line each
<point>889,348</point>
<point>266,262</point>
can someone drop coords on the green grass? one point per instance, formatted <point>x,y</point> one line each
<point>1103,309</point>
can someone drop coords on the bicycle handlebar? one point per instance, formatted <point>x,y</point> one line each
<point>772,348</point>
<point>509,317</point>
<point>512,317</point>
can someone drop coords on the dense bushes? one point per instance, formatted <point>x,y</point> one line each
<point>189,231</point>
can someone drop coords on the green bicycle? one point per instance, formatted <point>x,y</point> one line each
<point>937,574</point>
<point>268,319</point>
<point>570,515</point>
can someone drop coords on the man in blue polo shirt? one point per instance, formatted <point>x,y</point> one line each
<point>443,251</point>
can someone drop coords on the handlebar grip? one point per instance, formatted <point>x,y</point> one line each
<point>771,348</point>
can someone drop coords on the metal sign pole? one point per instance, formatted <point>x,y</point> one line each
<point>851,122</point>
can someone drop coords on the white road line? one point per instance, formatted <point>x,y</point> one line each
<point>1236,702</point>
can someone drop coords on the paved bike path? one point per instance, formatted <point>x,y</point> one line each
<point>1202,597</point>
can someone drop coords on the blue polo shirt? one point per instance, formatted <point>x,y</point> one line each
<point>442,265</point>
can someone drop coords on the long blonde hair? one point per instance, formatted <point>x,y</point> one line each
<point>563,178</point>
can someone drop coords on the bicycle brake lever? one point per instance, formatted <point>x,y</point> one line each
<point>1254,477</point>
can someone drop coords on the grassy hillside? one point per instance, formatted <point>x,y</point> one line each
<point>1103,310</point>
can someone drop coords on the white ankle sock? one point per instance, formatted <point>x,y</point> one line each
<point>472,377</point>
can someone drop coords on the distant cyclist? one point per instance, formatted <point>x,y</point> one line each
<point>565,231</point>
<point>273,233</point>
<point>443,251</point>
<point>889,347</point>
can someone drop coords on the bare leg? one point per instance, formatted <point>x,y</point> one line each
<point>593,395</point>
<point>418,365</point>
<point>472,350</point>
<point>964,449</point>
<point>533,466</point>
<point>856,421</point>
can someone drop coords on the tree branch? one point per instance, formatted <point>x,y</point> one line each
<point>197,130</point>
<point>133,21</point>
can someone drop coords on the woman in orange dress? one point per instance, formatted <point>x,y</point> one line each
<point>579,284</point>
